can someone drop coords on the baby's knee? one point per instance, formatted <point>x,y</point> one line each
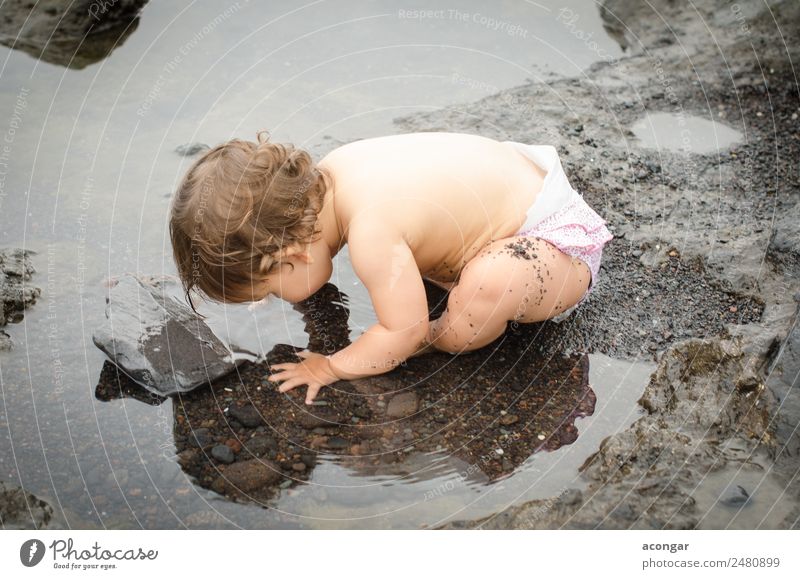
<point>485,281</point>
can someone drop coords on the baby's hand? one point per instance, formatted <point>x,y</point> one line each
<point>315,371</point>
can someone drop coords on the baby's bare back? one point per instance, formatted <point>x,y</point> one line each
<point>447,193</point>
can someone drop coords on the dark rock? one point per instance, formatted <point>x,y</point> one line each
<point>336,443</point>
<point>201,437</point>
<point>20,509</point>
<point>261,445</point>
<point>247,414</point>
<point>222,453</point>
<point>299,467</point>
<point>362,412</point>
<point>15,294</point>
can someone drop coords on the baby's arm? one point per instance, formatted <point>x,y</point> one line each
<point>383,261</point>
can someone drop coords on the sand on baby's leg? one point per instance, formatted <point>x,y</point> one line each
<point>523,279</point>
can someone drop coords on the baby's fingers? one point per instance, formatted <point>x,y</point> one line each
<point>291,383</point>
<point>283,375</point>
<point>284,366</point>
<point>313,390</point>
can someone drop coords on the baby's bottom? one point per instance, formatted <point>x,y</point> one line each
<point>523,279</point>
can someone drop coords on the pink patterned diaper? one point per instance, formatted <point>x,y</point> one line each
<point>577,230</point>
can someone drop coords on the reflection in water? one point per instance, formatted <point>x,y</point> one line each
<point>434,423</point>
<point>614,27</point>
<point>684,133</point>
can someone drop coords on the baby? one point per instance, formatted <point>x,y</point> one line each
<point>495,222</point>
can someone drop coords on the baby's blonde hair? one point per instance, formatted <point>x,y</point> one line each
<point>236,208</point>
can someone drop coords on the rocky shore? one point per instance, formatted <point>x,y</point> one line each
<point>16,293</point>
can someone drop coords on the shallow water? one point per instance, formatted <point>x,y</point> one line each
<point>684,133</point>
<point>89,171</point>
<point>742,498</point>
<point>426,489</point>
<point>436,488</point>
<point>743,494</point>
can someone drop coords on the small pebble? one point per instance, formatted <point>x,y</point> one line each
<point>191,149</point>
<point>362,412</point>
<point>222,453</point>
<point>735,497</point>
<point>509,419</point>
<point>247,415</point>
<point>336,443</point>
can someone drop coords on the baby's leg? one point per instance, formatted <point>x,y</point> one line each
<point>525,279</point>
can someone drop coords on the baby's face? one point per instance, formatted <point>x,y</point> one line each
<point>294,280</point>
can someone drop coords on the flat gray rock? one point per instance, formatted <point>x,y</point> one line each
<point>157,340</point>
